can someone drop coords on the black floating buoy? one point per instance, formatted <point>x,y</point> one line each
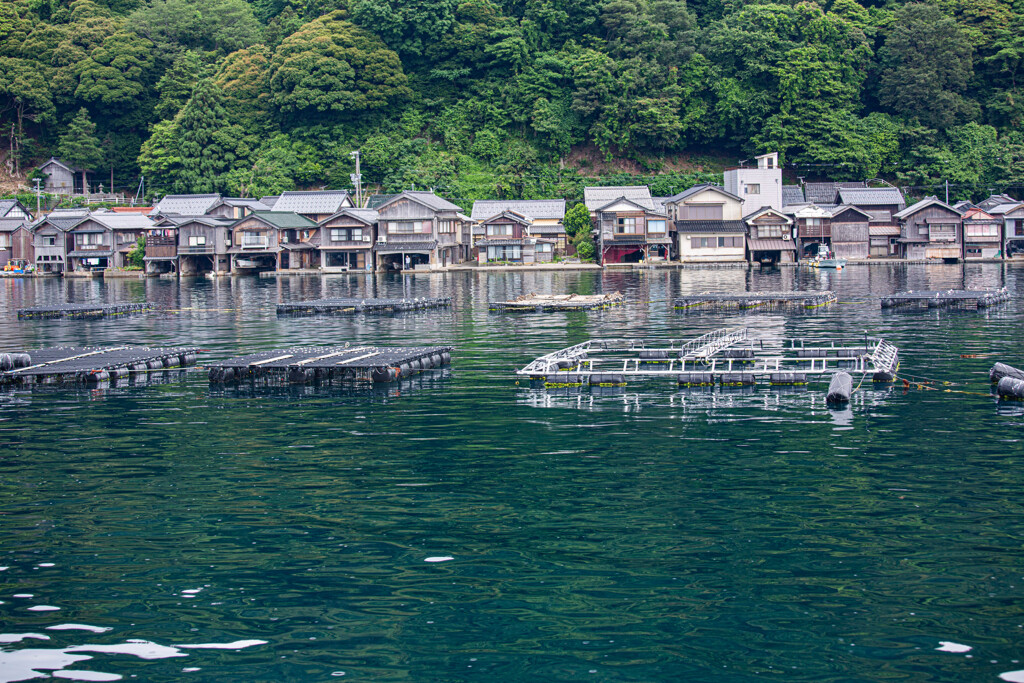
<point>383,373</point>
<point>840,388</point>
<point>1011,387</point>
<point>695,379</point>
<point>21,360</point>
<point>215,374</point>
<point>1001,370</point>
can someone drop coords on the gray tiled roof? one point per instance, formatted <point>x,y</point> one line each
<point>432,200</point>
<point>696,189</point>
<point>996,200</point>
<point>316,202</point>
<point>534,208</point>
<point>187,204</point>
<point>251,204</point>
<point>733,227</point>
<point>871,196</point>
<point>63,219</point>
<point>1002,208</point>
<point>923,204</point>
<point>269,200</point>
<point>6,205</point>
<point>367,215</point>
<point>212,221</point>
<point>792,194</point>
<point>376,200</point>
<point>541,229</point>
<point>11,224</point>
<point>123,221</point>
<point>597,197</point>
<point>825,193</point>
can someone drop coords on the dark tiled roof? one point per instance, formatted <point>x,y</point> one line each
<point>825,193</point>
<point>871,196</point>
<point>696,189</point>
<point>405,246</point>
<point>11,224</point>
<point>598,197</point>
<point>770,244</point>
<point>792,194</point>
<point>187,204</point>
<point>319,202</point>
<point>731,227</point>
<point>532,208</point>
<point>547,229</point>
<point>376,200</point>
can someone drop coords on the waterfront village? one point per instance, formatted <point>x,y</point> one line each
<point>751,218</point>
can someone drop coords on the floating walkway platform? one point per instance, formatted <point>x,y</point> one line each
<point>89,365</point>
<point>950,298</point>
<point>83,310</point>
<point>301,365</point>
<point>726,357</point>
<point>348,306</point>
<point>715,301</point>
<point>544,303</point>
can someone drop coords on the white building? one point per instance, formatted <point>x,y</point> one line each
<point>757,187</point>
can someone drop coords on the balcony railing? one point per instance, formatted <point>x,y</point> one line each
<point>86,247</point>
<point>254,242</point>
<point>194,249</point>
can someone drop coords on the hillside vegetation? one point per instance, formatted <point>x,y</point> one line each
<point>512,98</point>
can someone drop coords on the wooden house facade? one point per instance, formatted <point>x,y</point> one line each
<point>813,229</point>
<point>709,225</point>
<point>104,240</point>
<point>346,241</point>
<point>881,204</point>
<point>546,216</point>
<point>50,240</point>
<point>983,234</point>
<point>1012,216</point>
<point>189,245</point>
<point>258,241</point>
<point>851,232</point>
<point>62,178</point>
<point>508,239</point>
<point>15,241</point>
<point>419,230</point>
<point>629,228</point>
<point>770,237</point>
<point>930,229</point>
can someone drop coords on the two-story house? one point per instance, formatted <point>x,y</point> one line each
<point>50,239</point>
<point>770,237</point>
<point>881,204</point>
<point>419,230</point>
<point>346,241</point>
<point>189,245</point>
<point>545,214</point>
<point>1012,216</point>
<point>15,241</point>
<point>983,233</point>
<point>709,225</point>
<point>257,241</point>
<point>930,229</point>
<point>851,232</point>
<point>813,228</point>
<point>629,228</point>
<point>508,239</point>
<point>104,239</point>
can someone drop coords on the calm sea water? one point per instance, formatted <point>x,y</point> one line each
<point>461,527</point>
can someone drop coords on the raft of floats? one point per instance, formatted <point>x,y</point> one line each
<point>90,365</point>
<point>350,306</point>
<point>950,298</point>
<point>545,303</point>
<point>329,364</point>
<point>83,310</point>
<point>746,301</point>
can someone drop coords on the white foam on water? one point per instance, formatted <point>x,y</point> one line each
<point>191,591</point>
<point>190,669</point>
<point>949,646</point>
<point>73,675</point>
<point>3,569</point>
<point>22,665</point>
<point>23,595</point>
<point>442,558</point>
<point>1013,676</point>
<point>43,608</point>
<point>143,649</point>
<point>78,627</point>
<point>237,645</point>
<point>47,564</point>
<point>18,637</point>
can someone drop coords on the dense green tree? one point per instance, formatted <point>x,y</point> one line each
<point>577,221</point>
<point>332,67</point>
<point>79,145</point>
<point>177,83</point>
<point>25,95</point>
<point>926,63</point>
<point>408,27</point>
<point>217,26</point>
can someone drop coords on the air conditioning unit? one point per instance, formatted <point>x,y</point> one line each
<point>382,239</point>
<point>366,238</point>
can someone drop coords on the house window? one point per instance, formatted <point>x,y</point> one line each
<point>974,251</point>
<point>625,226</point>
<point>753,188</point>
<point>446,226</point>
<point>813,222</point>
<point>253,239</point>
<point>5,241</point>
<point>501,230</point>
<point>408,227</point>
<point>346,234</point>
<point>90,238</point>
<point>656,226</point>
<point>941,232</point>
<point>509,253</point>
<point>197,240</point>
<point>49,240</point>
<point>983,230</point>
<point>772,231</point>
<point>544,247</point>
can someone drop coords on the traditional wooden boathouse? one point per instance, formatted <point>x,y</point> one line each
<point>508,239</point>
<point>346,241</point>
<point>271,240</point>
<point>770,237</point>
<point>629,227</point>
<point>189,245</point>
<point>930,229</point>
<point>419,230</point>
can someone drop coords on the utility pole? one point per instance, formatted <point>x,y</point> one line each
<point>37,181</point>
<point>947,190</point>
<point>357,179</point>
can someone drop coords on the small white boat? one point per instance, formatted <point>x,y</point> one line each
<point>246,263</point>
<point>826,258</point>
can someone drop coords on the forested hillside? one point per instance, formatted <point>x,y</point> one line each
<point>510,98</point>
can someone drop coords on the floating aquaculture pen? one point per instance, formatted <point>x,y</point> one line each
<point>351,306</point>
<point>83,310</point>
<point>716,301</point>
<point>89,364</point>
<point>726,357</point>
<point>950,298</point>
<point>544,303</point>
<point>305,364</point>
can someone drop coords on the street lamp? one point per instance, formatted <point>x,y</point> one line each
<point>357,178</point>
